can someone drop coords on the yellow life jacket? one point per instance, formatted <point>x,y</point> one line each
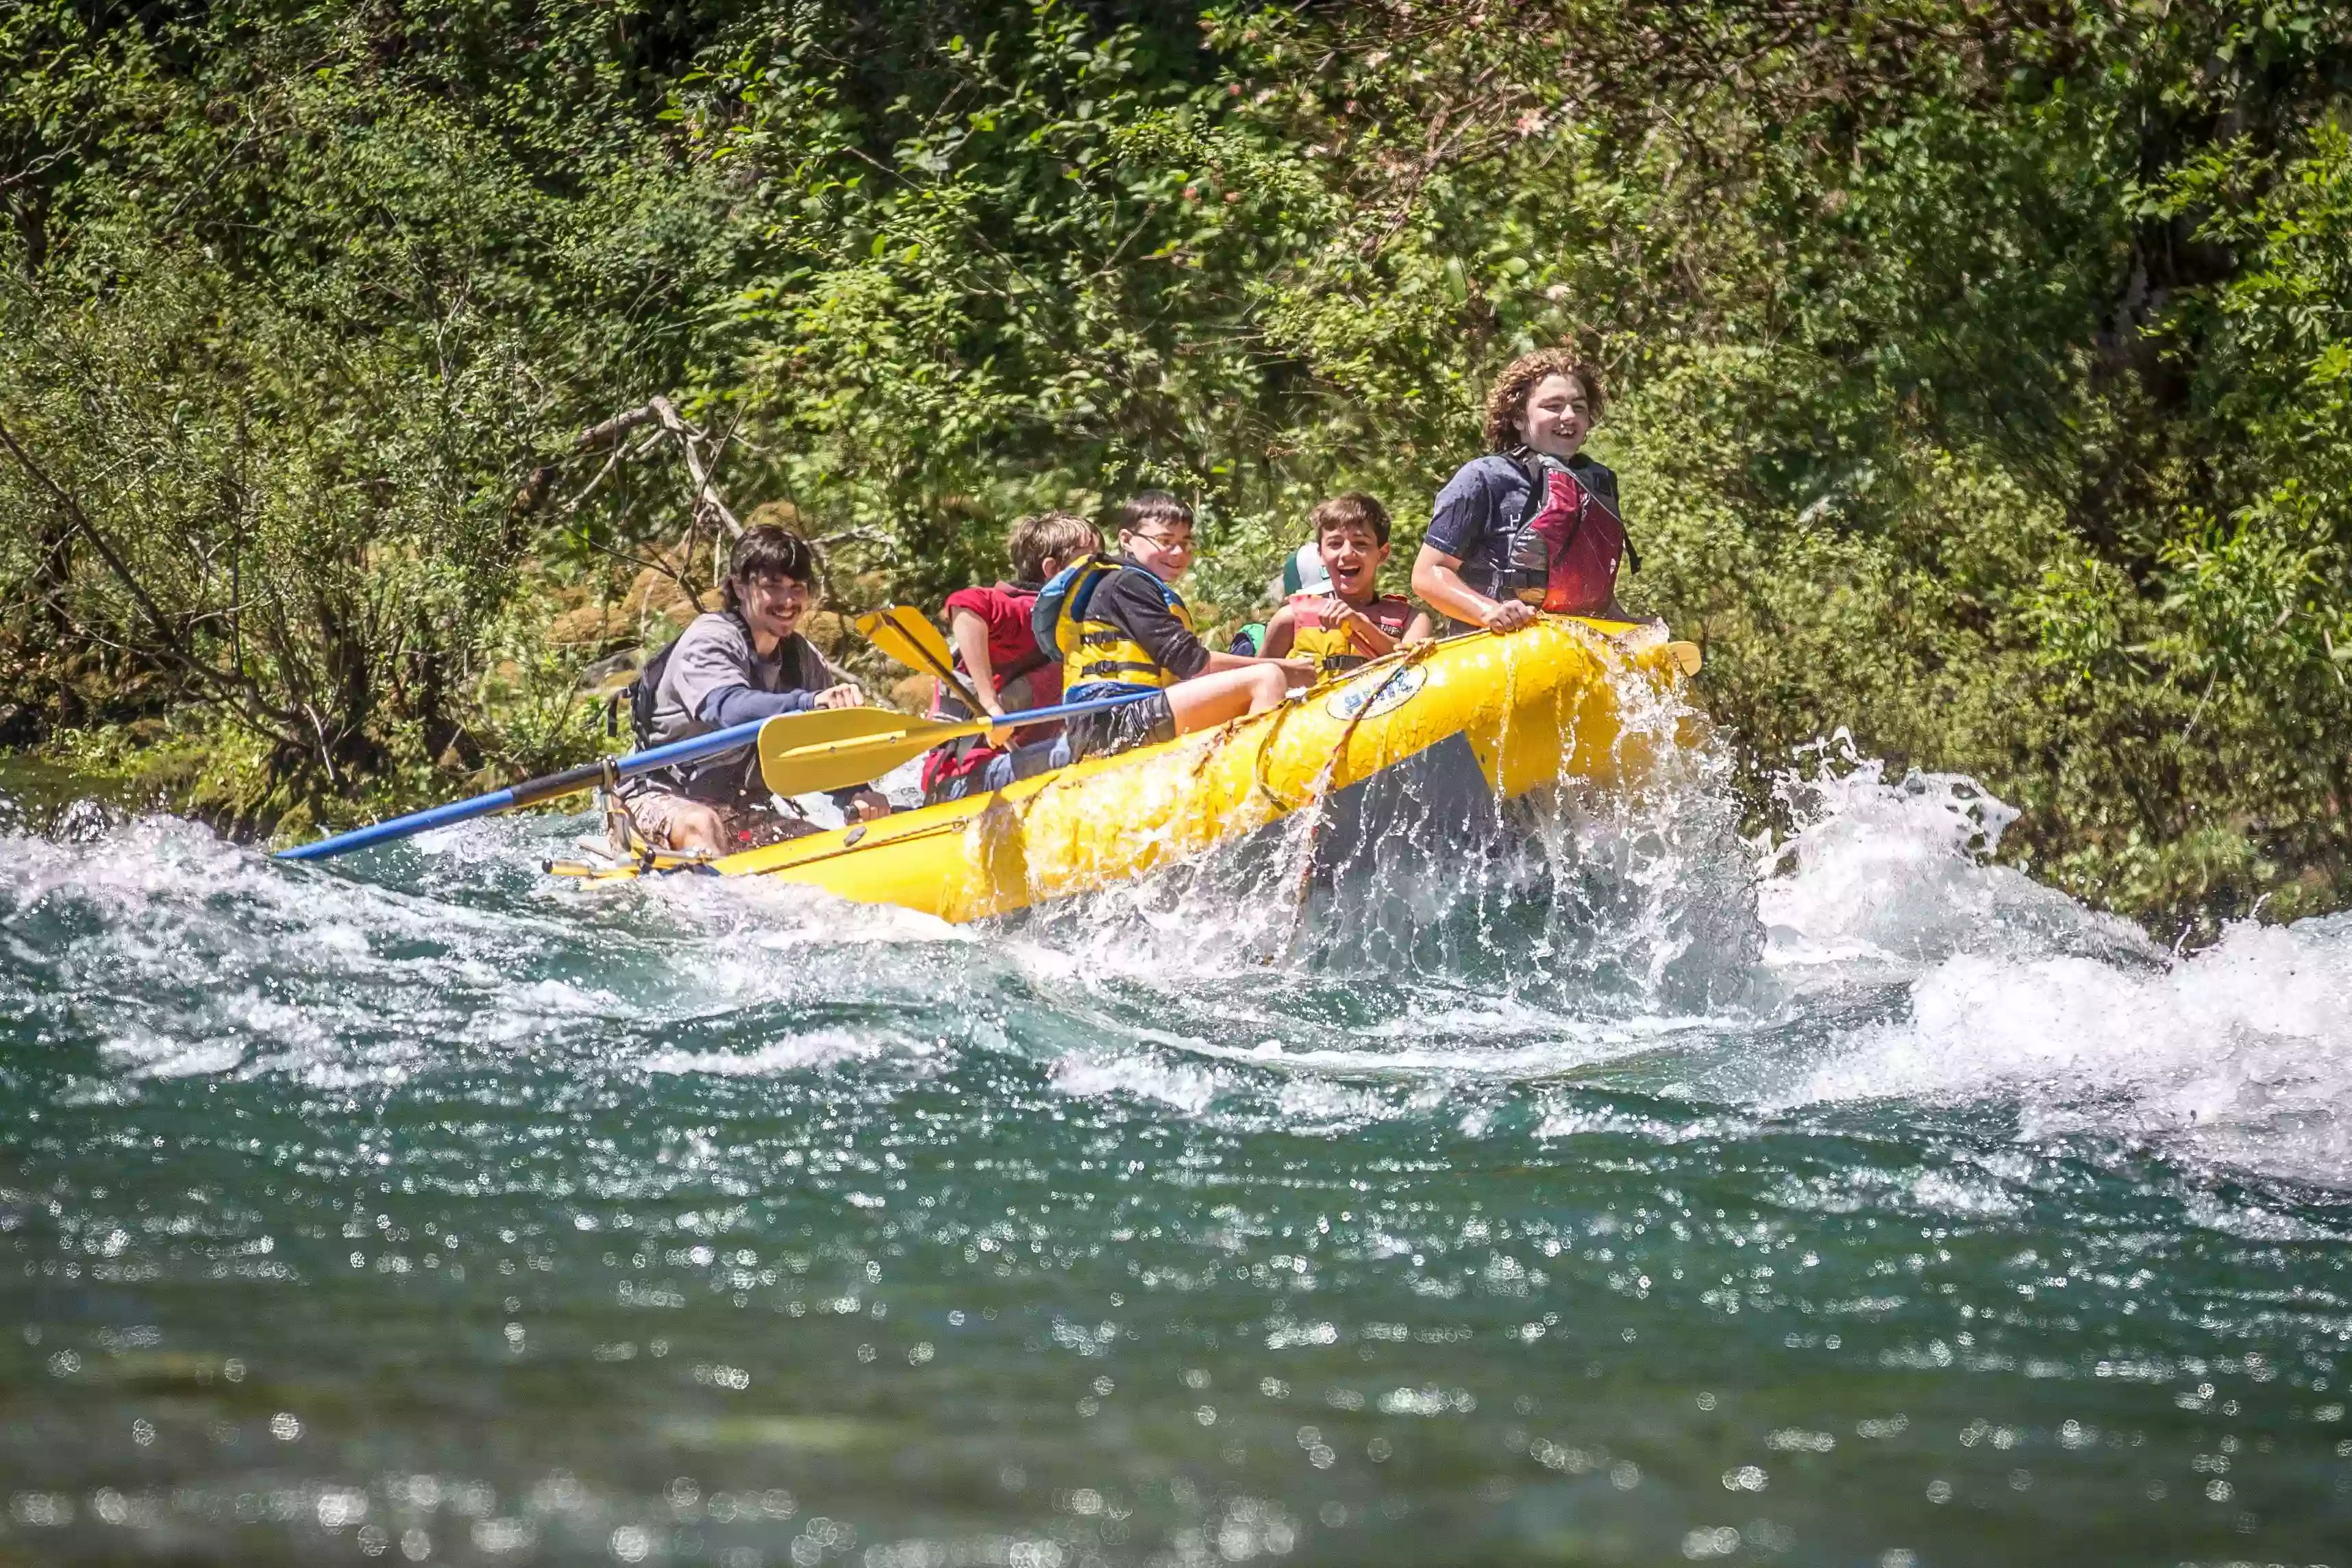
<point>1096,652</point>
<point>1334,648</point>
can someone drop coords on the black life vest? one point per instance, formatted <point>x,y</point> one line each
<point>645,696</point>
<point>749,788</point>
<point>644,693</point>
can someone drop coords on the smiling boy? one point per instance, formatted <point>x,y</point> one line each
<point>1355,620</point>
<point>1534,525</point>
<point>743,662</point>
<point>1124,629</point>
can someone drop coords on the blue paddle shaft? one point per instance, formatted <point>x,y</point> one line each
<point>589,774</point>
<point>584,776</point>
<point>1067,710</point>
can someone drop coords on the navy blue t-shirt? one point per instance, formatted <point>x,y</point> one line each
<point>1481,503</point>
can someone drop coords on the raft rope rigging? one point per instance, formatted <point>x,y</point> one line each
<point>1317,805</point>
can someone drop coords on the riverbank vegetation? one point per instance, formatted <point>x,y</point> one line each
<point>1983,367</point>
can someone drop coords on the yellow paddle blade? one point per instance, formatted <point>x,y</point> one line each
<point>904,634</point>
<point>834,749</point>
<point>917,628</point>
<point>841,765</point>
<point>822,725</point>
<point>1686,655</point>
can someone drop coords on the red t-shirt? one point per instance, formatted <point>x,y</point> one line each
<point>1003,610</point>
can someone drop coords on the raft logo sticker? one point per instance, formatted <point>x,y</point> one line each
<point>1377,694</point>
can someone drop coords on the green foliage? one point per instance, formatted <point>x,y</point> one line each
<point>1022,282</point>
<point>1980,396</point>
<point>1985,384</point>
<point>271,384</point>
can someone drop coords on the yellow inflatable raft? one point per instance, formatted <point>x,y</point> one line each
<point>1534,706</point>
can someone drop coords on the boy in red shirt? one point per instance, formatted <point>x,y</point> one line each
<point>1354,622</point>
<point>997,653</point>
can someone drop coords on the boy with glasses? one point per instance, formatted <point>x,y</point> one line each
<point>1122,629</point>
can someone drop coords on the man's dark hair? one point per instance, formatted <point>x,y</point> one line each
<point>767,551</point>
<point>1353,510</point>
<point>1145,507</point>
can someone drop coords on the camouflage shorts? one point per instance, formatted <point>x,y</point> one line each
<point>656,812</point>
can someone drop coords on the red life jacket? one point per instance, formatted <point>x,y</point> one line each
<point>1335,649</point>
<point>1033,680</point>
<point>1565,546</point>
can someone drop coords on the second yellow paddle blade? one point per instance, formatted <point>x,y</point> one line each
<point>832,748</point>
<point>916,627</point>
<point>841,765</point>
<point>904,634</point>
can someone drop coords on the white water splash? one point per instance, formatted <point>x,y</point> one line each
<point>1875,955</point>
<point>2240,1055</point>
<point>178,955</point>
<point>818,1048</point>
<point>1895,872</point>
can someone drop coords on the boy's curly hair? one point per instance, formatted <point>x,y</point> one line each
<point>1507,400</point>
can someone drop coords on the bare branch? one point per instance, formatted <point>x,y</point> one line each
<point>872,537</point>
<point>611,430</point>
<point>705,494</point>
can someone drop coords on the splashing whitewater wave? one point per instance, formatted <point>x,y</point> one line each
<point>1874,955</point>
<point>2240,1055</point>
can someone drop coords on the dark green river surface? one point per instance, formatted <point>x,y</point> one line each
<point>1619,1192</point>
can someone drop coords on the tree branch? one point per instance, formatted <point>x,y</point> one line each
<point>237,690</point>
<point>706,493</point>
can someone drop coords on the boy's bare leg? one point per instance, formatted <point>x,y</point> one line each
<point>1206,701</point>
<point>684,826</point>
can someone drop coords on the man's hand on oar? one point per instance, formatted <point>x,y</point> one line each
<point>804,752</point>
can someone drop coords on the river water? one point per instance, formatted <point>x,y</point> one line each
<point>1619,1192</point>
